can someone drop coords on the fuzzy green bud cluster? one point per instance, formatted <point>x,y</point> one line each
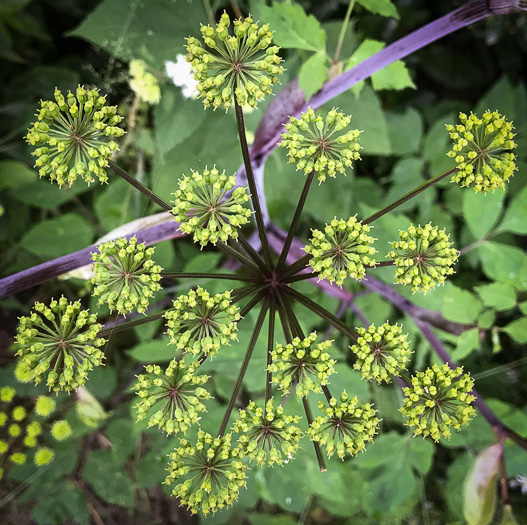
<point>203,208</point>
<point>314,144</point>
<point>242,64</point>
<point>43,456</point>
<point>200,322</point>
<point>72,136</point>
<point>143,83</point>
<point>44,406</point>
<point>439,399</point>
<point>61,430</point>
<point>381,352</point>
<point>125,276</point>
<point>345,426</point>
<point>267,435</point>
<point>424,257</point>
<point>482,150</point>
<point>298,363</point>
<point>59,342</point>
<point>176,394</point>
<point>342,250</point>
<point>208,474</point>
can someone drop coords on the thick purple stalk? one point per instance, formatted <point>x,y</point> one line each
<point>43,272</point>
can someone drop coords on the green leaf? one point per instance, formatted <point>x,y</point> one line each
<point>313,74</point>
<point>102,381</point>
<point>515,219</point>
<point>42,194</point>
<point>108,479</point>
<point>517,330</point>
<point>152,31</point>
<point>466,343</point>
<point>482,211</point>
<point>507,517</point>
<point>56,237</point>
<point>503,263</point>
<point>405,131</point>
<point>153,351</point>
<point>461,306</point>
<point>394,76</point>
<point>15,174</point>
<point>479,494</point>
<point>203,262</point>
<point>293,28</point>
<point>175,118</point>
<point>497,295</point>
<point>380,7</point>
<point>456,474</point>
<point>122,434</point>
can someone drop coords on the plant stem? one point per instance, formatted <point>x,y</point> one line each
<point>124,326</point>
<point>270,347</point>
<point>322,312</point>
<point>284,319</point>
<point>302,277</point>
<point>252,184</point>
<point>137,185</point>
<point>294,222</point>
<point>408,196</point>
<point>243,369</point>
<point>227,276</point>
<point>297,266</point>
<point>327,393</point>
<point>238,256</point>
<point>255,256</point>
<point>381,264</point>
<point>343,30</point>
<point>250,305</point>
<point>318,452</point>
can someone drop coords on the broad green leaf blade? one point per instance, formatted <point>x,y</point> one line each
<point>517,330</point>
<point>503,263</point>
<point>293,28</point>
<point>56,237</point>
<point>313,74</point>
<point>380,7</point>
<point>479,494</point>
<point>405,130</point>
<point>497,295</point>
<point>482,211</point>
<point>461,306</point>
<point>156,351</point>
<point>153,31</point>
<point>515,219</point>
<point>508,517</point>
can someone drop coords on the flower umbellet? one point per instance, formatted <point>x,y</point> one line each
<point>482,151</point>
<point>343,249</point>
<point>72,136</point>
<point>208,205</point>
<point>200,322</point>
<point>236,64</point>
<point>174,394</point>
<point>437,400</point>
<point>125,276</point>
<point>345,426</point>
<point>60,342</point>
<point>314,144</point>
<point>298,364</point>
<point>243,64</point>
<point>381,352</point>
<point>424,257</point>
<point>267,436</point>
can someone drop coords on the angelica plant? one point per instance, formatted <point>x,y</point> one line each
<point>236,65</point>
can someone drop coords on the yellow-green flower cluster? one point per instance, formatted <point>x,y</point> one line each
<point>482,150</point>
<point>381,352</point>
<point>44,406</point>
<point>200,322</point>
<point>299,364</point>
<point>343,249</point>
<point>43,456</point>
<point>203,208</point>
<point>72,136</point>
<point>243,64</point>
<point>61,430</point>
<point>176,392</point>
<point>424,257</point>
<point>125,276</point>
<point>313,143</point>
<point>143,83</point>
<point>438,400</point>
<point>345,427</point>
<point>60,342</point>
<point>208,474</point>
<point>267,435</point>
